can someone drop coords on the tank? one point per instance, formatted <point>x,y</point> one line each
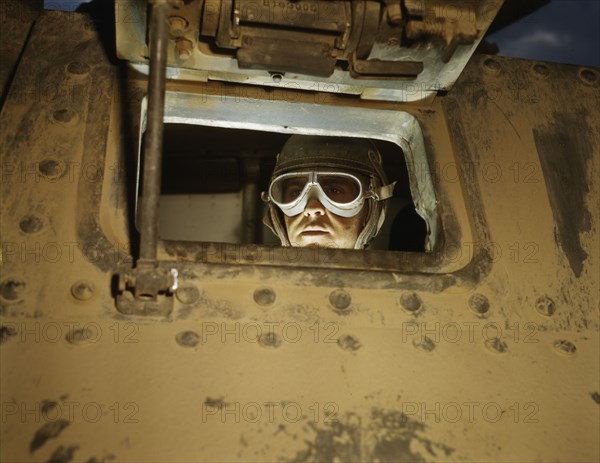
<point>147,313</point>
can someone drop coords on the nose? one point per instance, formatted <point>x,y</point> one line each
<point>314,207</point>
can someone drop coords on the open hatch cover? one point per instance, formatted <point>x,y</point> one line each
<point>395,50</point>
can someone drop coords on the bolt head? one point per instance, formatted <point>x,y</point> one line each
<point>496,345</point>
<point>349,343</point>
<point>264,296</point>
<point>479,304</point>
<point>188,338</point>
<point>545,306</point>
<point>187,294</point>
<point>565,347</point>
<point>83,290</point>
<point>340,300</point>
<point>269,339</point>
<point>410,302</point>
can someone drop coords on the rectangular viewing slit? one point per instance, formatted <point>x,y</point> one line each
<point>219,154</point>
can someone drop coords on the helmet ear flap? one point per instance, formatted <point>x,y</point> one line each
<point>274,221</point>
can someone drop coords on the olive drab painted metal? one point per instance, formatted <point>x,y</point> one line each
<point>485,349</point>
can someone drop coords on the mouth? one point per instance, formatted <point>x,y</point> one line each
<point>314,230</point>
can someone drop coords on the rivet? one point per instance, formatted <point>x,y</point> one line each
<point>588,76</point>
<point>479,304</point>
<point>276,77</point>
<point>177,26</point>
<point>247,40</point>
<point>12,290</point>
<point>83,290</point>
<point>264,296</point>
<point>188,338</point>
<point>595,397</point>
<point>410,301</point>
<point>541,69</point>
<point>491,65</point>
<point>51,169</point>
<point>184,49</point>
<point>78,68</point>
<point>92,254</point>
<point>545,306</point>
<point>80,336</point>
<point>187,294</point>
<point>424,344</point>
<point>31,224</point>
<point>565,347</point>
<point>65,116</point>
<point>496,345</point>
<point>340,299</point>
<point>269,339</point>
<point>349,343</point>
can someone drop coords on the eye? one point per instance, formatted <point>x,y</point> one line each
<point>337,192</point>
<point>291,192</point>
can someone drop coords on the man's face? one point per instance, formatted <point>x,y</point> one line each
<point>317,226</point>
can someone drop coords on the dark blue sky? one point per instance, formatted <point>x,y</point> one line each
<point>564,31</point>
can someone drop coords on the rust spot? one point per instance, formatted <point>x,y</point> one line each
<point>337,441</point>
<point>63,454</point>
<point>47,431</point>
<point>48,406</point>
<point>218,403</point>
<point>104,459</point>
<point>392,433</point>
<point>563,153</point>
<point>6,332</point>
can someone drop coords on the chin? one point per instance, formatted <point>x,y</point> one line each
<point>324,241</point>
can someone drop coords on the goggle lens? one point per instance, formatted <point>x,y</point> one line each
<point>340,188</point>
<point>341,193</point>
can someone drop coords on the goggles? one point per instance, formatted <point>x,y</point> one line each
<point>340,192</point>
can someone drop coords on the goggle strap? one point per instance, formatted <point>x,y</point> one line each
<point>384,192</point>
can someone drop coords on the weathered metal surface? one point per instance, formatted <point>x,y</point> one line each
<point>310,41</point>
<point>490,354</point>
<point>16,18</point>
